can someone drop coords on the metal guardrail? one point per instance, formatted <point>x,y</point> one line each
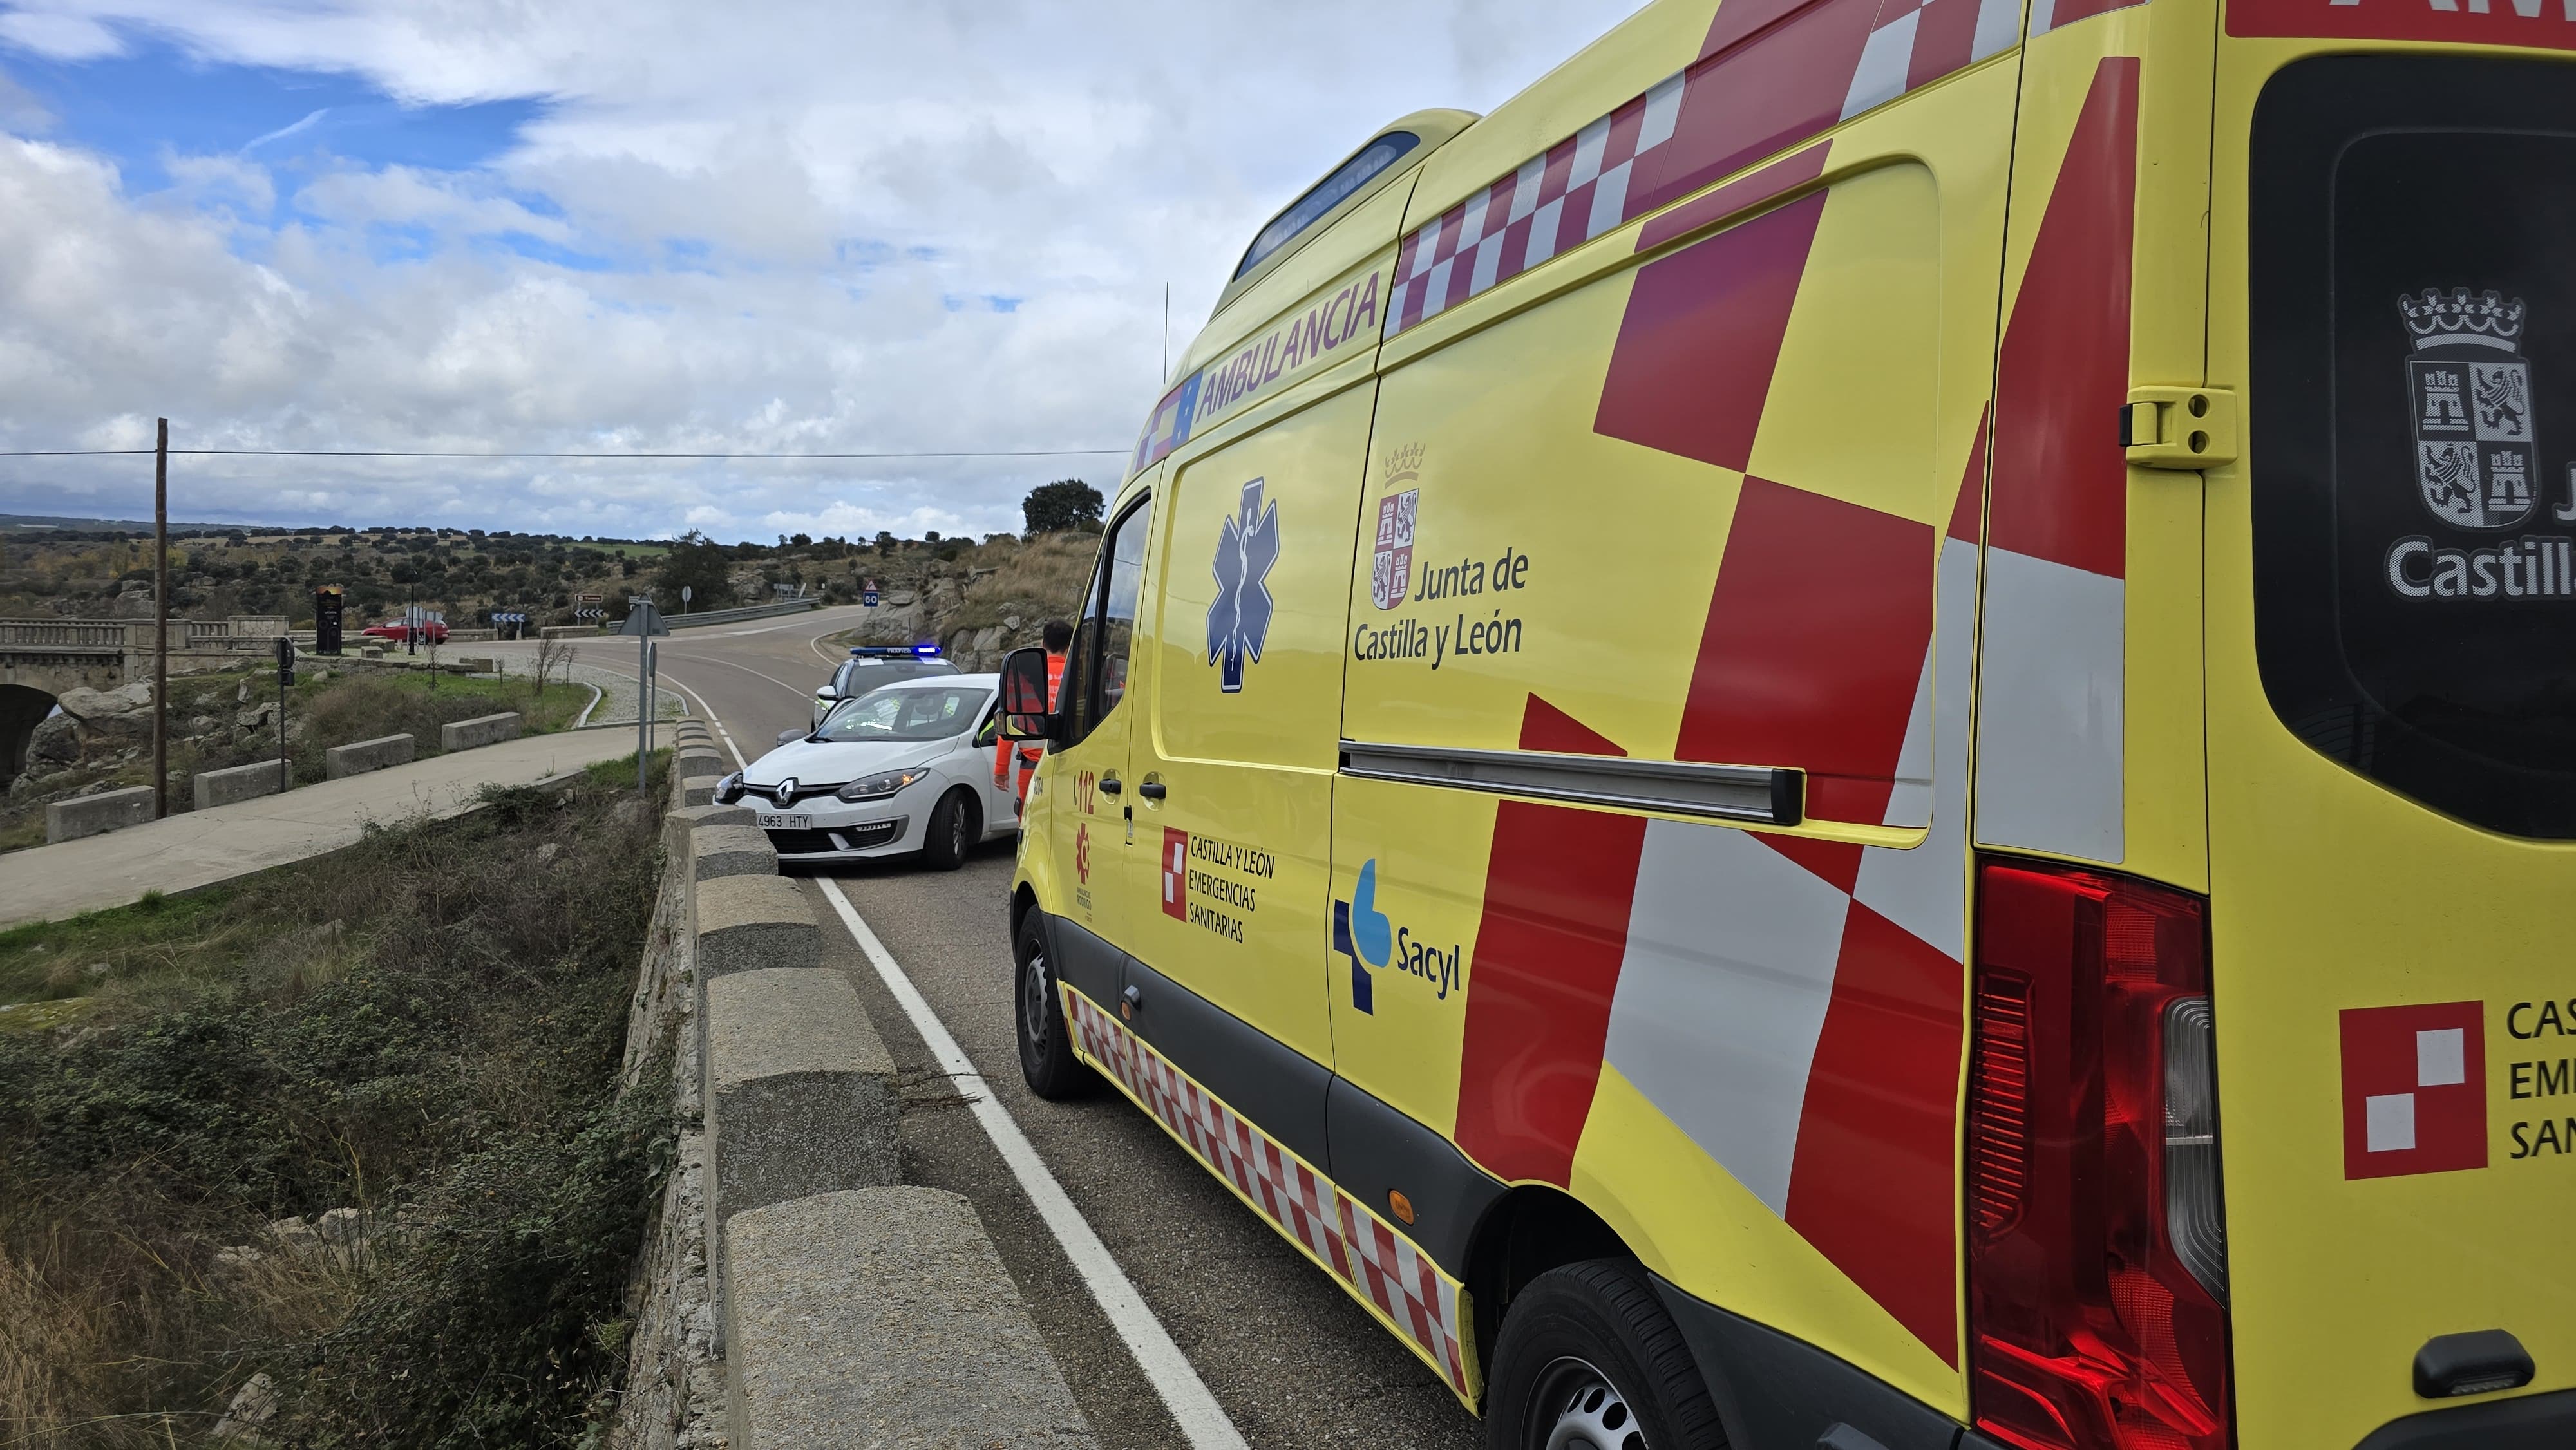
<point>733,616</point>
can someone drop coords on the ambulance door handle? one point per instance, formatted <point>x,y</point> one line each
<point>1110,785</point>
<point>1151,790</point>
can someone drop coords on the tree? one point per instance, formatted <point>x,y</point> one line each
<point>1067,503</point>
<point>700,563</point>
<point>885,542</point>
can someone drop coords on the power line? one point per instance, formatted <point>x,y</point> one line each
<point>420,453</point>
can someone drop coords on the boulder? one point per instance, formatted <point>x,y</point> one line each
<point>296,1236</point>
<point>99,707</point>
<point>253,1406</point>
<point>56,742</point>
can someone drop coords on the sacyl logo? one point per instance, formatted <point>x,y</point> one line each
<point>1365,935</point>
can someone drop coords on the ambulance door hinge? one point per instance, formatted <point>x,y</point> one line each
<point>2187,428</point>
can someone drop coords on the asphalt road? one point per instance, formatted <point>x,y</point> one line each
<point>1291,1358</point>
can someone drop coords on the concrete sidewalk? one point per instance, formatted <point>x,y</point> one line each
<point>199,848</point>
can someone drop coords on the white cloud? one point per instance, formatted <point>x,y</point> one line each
<point>732,228</point>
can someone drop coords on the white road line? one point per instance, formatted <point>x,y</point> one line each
<point>739,762</point>
<point>1201,1418</point>
<point>596,695</point>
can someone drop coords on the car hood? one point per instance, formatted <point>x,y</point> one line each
<point>838,763</point>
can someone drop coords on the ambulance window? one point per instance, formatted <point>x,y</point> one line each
<point>1118,612</point>
<point>1327,194</point>
<point>2413,439</point>
<point>1095,669</point>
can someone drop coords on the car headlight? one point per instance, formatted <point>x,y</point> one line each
<point>729,789</point>
<point>878,787</point>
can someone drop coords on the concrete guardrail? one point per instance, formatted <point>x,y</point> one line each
<point>732,849</point>
<point>481,730</point>
<point>883,1316</point>
<point>747,922</point>
<point>360,756</point>
<point>238,783</point>
<point>795,1295</point>
<point>699,790</point>
<point>96,815</point>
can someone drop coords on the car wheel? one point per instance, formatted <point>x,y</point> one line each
<point>1589,1360</point>
<point>1047,1062</point>
<point>952,831</point>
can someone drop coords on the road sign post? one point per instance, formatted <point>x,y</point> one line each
<point>868,593</point>
<point>285,677</point>
<point>644,621</point>
<point>685,592</point>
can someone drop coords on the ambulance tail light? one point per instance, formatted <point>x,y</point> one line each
<point>2097,1310</point>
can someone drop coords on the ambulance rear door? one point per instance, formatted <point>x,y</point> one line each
<point>2392,715</point>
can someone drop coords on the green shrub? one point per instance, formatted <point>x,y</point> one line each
<point>427,1027</point>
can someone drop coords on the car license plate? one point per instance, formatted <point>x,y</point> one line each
<point>772,821</point>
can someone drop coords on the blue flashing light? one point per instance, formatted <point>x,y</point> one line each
<point>926,651</point>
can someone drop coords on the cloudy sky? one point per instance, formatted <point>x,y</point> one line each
<point>656,225</point>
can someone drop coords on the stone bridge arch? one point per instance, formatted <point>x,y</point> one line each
<point>41,659</point>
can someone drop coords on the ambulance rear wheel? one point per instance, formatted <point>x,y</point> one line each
<point>1047,1062</point>
<point>1589,1360</point>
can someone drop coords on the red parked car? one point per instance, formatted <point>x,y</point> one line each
<point>432,632</point>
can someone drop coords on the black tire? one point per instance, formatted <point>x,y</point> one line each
<point>1588,1357</point>
<point>1047,1062</point>
<point>952,832</point>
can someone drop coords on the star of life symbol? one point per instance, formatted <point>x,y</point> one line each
<point>2469,392</point>
<point>1392,574</point>
<point>1238,618</point>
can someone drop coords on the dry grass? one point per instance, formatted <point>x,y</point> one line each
<point>1041,579</point>
<point>426,1028</point>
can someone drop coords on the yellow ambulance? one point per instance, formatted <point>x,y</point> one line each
<point>1859,730</point>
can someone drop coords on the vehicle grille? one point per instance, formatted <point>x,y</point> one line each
<point>844,838</point>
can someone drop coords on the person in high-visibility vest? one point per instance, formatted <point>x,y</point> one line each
<point>1058,637</point>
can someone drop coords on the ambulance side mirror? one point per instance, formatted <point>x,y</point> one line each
<point>1027,713</point>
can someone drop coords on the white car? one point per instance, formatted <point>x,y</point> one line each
<point>905,768</point>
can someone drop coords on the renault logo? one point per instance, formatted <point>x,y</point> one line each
<point>785,795</point>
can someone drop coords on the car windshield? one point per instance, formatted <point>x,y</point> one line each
<point>907,714</point>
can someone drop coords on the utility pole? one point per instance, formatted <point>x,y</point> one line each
<point>411,621</point>
<point>161,624</point>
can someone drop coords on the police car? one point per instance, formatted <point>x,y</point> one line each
<point>904,768</point>
<point>870,666</point>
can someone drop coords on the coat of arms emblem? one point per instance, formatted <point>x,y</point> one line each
<point>1391,576</point>
<point>2469,392</point>
<point>1392,573</point>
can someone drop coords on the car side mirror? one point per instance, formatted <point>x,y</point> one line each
<point>786,735</point>
<point>1027,712</point>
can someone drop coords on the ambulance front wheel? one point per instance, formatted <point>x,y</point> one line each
<point>1589,1358</point>
<point>1047,1062</point>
